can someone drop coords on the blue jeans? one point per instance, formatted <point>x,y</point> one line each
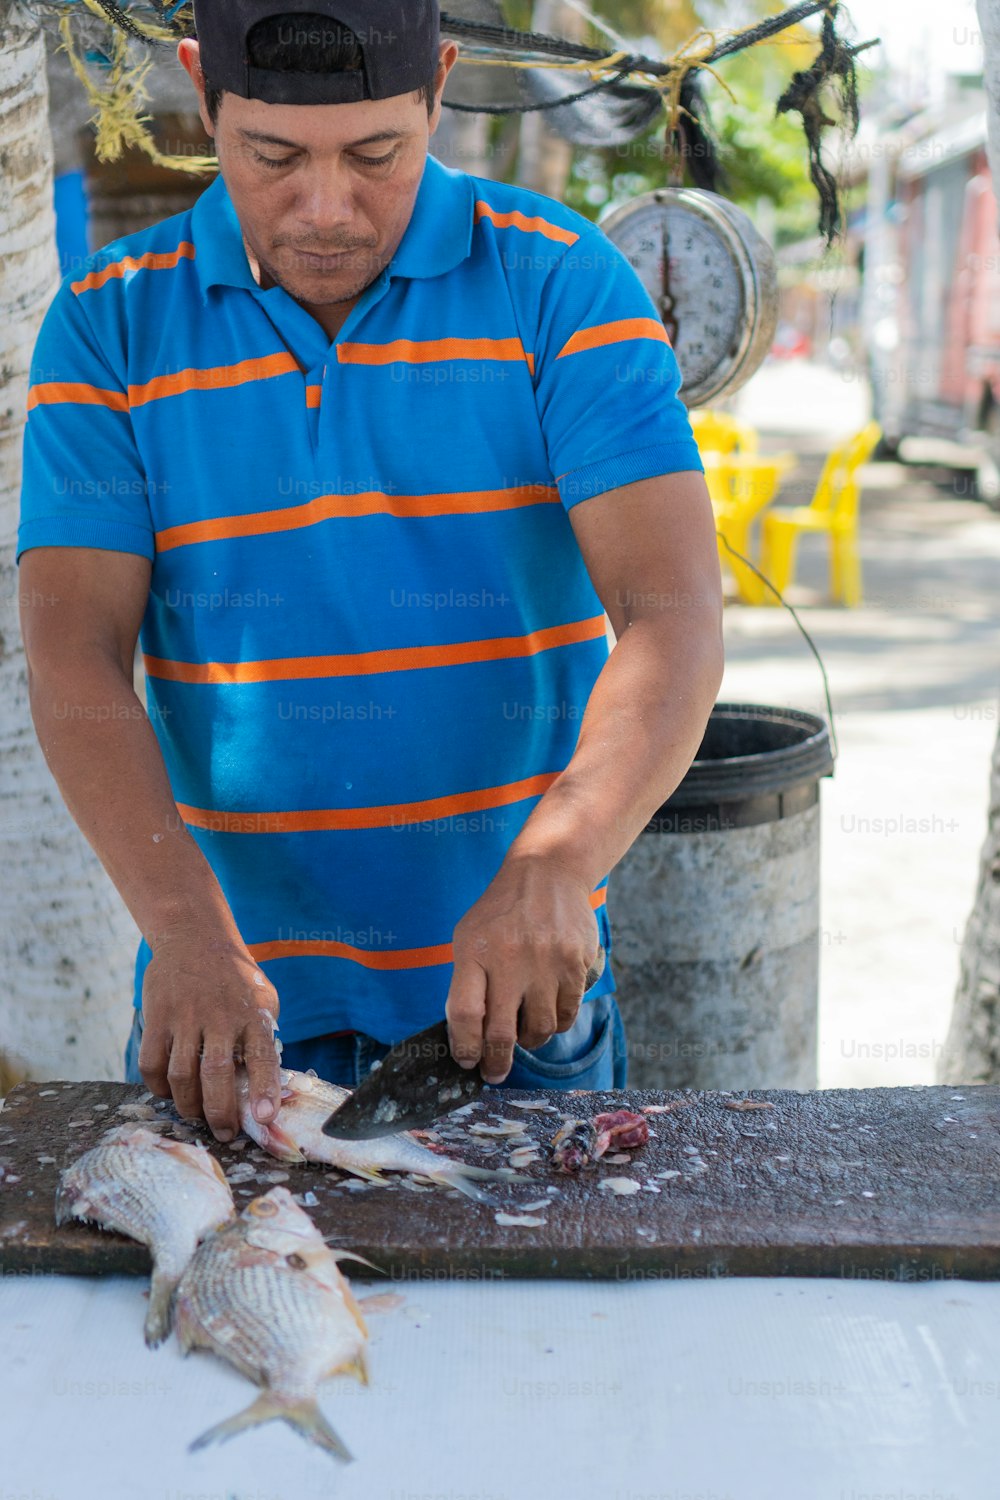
<point>591,1055</point>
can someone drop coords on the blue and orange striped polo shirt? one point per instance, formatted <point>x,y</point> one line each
<point>370,636</point>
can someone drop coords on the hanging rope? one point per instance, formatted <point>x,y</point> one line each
<point>116,119</point>
<point>835,64</point>
<point>119,123</point>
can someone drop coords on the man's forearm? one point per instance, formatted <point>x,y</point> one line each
<point>641,730</point>
<point>104,755</point>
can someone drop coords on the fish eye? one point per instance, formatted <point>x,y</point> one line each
<point>295,1261</point>
<point>263,1209</point>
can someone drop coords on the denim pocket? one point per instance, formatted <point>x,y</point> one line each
<point>580,1058</point>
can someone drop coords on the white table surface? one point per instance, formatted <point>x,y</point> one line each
<point>725,1389</point>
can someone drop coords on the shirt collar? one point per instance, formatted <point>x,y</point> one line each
<point>437,238</point>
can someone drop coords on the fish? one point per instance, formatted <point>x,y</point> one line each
<point>166,1194</point>
<point>265,1292</point>
<point>579,1143</point>
<point>296,1134</point>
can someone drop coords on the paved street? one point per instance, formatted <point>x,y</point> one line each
<point>915,680</point>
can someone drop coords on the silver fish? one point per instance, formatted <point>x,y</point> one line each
<point>296,1134</point>
<point>266,1294</point>
<point>166,1194</point>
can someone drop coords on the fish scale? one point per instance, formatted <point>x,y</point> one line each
<point>271,1301</point>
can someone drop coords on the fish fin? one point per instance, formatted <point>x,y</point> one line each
<point>305,1416</point>
<point>68,1205</point>
<point>275,1139</point>
<point>357,1366</point>
<point>381,1302</point>
<point>497,1174</point>
<point>351,1303</point>
<point>339,1255</point>
<point>370,1174</point>
<point>159,1314</point>
<point>188,1331</point>
<point>216,1168</point>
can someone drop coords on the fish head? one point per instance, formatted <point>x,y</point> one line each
<point>275,1222</point>
<point>278,1226</point>
<point>574,1146</point>
<point>273,1136</point>
<point>306,1102</point>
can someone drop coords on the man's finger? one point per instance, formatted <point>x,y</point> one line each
<point>570,995</point>
<point>465,1009</point>
<point>218,1086</point>
<point>503,1001</point>
<point>536,1020</point>
<point>154,1059</point>
<point>183,1074</point>
<point>263,1069</point>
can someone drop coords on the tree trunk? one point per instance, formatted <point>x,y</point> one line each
<point>972,1049</point>
<point>67,943</point>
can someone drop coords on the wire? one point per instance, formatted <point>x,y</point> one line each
<point>506,39</point>
<point>524,109</point>
<point>808,638</point>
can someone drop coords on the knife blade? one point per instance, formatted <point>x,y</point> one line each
<point>416,1082</point>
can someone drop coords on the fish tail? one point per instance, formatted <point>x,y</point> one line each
<point>464,1177</point>
<point>450,1178</point>
<point>159,1314</point>
<point>304,1415</point>
<point>461,1176</point>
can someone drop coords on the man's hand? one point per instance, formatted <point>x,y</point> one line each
<point>206,1005</point>
<point>521,959</point>
<point>204,998</point>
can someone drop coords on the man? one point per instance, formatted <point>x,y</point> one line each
<point>366,447</point>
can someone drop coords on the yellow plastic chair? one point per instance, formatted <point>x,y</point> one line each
<point>833,510</point>
<point>740,486</point>
<point>718,432</point>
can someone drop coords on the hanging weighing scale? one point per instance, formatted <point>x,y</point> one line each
<point>712,278</point>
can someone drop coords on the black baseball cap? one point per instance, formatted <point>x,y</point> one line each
<point>398,39</point>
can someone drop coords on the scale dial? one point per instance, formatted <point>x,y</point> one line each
<point>712,278</point>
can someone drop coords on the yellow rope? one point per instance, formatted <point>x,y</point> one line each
<point>116,120</point>
<point>118,123</point>
<point>687,57</point>
<point>667,86</point>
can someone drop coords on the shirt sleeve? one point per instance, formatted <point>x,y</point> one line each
<point>606,378</point>
<point>83,482</point>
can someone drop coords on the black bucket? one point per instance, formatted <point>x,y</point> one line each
<point>755,765</point>
<point>716,937</point>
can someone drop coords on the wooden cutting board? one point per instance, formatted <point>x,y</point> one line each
<point>899,1183</point>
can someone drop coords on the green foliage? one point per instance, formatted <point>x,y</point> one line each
<point>760,155</point>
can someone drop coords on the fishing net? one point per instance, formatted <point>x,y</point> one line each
<point>594,96</point>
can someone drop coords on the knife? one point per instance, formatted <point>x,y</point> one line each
<point>415,1083</point>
